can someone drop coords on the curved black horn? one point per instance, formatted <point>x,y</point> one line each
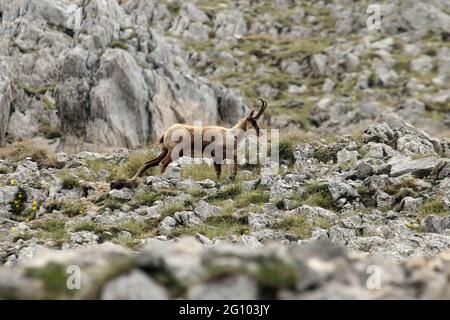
<point>261,110</point>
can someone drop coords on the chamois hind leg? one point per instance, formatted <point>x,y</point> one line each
<point>151,163</point>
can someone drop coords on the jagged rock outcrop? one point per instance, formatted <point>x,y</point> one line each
<point>92,70</point>
<point>5,101</point>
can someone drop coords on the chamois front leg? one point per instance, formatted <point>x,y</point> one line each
<point>151,163</point>
<point>218,168</point>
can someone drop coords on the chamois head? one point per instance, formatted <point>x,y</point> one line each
<point>252,119</point>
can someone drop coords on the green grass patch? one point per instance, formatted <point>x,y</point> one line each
<point>228,192</point>
<point>129,168</point>
<point>73,208</point>
<point>52,229</point>
<point>119,45</point>
<point>147,198</point>
<point>216,226</point>
<point>318,195</point>
<point>54,280</point>
<point>18,203</point>
<point>96,165</point>
<point>21,150</point>
<point>435,207</point>
<point>46,128</point>
<point>298,226</point>
<point>88,226</point>
<point>245,199</point>
<point>170,209</point>
<point>68,181</point>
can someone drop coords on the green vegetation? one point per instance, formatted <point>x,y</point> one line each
<point>133,163</point>
<point>288,141</point>
<point>317,194</point>
<point>367,197</point>
<point>170,209</point>
<point>299,227</point>
<point>29,90</point>
<point>73,208</point>
<point>252,197</point>
<point>216,226</point>
<point>52,229</point>
<point>119,45</point>
<point>137,229</point>
<point>108,202</point>
<point>145,198</point>
<point>68,181</point>
<point>433,206</point>
<point>399,193</point>
<point>228,192</point>
<point>270,271</point>
<point>46,128</point>
<point>54,279</point>
<point>88,226</point>
<point>96,165</point>
<point>4,170</point>
<point>19,201</point>
<point>327,153</point>
<point>199,172</point>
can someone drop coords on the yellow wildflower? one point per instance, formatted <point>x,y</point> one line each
<point>12,182</point>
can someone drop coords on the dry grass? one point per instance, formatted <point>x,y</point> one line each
<point>19,151</point>
<point>134,162</point>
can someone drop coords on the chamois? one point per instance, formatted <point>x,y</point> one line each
<point>197,140</point>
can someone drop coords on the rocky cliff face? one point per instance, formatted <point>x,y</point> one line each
<point>99,73</point>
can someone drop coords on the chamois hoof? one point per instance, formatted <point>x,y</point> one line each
<point>229,180</point>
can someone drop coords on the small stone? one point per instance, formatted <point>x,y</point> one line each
<point>187,218</point>
<point>345,156</point>
<point>257,221</point>
<point>204,210</point>
<point>432,224</point>
<point>411,204</point>
<point>122,194</point>
<point>166,226</point>
<point>207,183</point>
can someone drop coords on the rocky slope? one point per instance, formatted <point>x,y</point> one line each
<point>383,195</point>
<point>99,74</point>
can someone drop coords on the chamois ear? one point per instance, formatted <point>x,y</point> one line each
<point>250,115</point>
